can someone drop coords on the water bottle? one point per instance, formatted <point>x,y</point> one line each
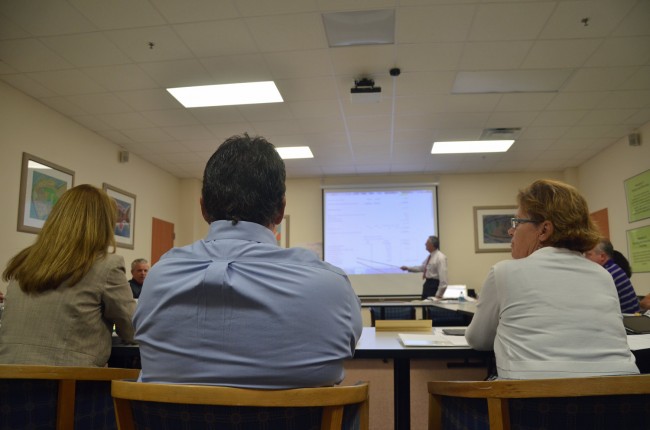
<point>461,297</point>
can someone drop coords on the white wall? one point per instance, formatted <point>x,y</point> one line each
<point>602,183</point>
<point>28,126</point>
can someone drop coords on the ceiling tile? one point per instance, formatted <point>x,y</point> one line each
<point>566,21</point>
<point>67,82</point>
<point>214,38</point>
<point>287,32</point>
<point>494,55</point>
<point>439,23</point>
<point>87,49</point>
<point>121,78</point>
<point>624,51</point>
<point>299,64</point>
<point>510,21</point>
<point>45,18</point>
<point>176,11</point>
<point>551,54</point>
<point>150,44</point>
<point>119,13</point>
<point>30,55</point>
<point>237,68</point>
<point>417,57</point>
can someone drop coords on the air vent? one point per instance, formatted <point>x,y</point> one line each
<point>500,133</point>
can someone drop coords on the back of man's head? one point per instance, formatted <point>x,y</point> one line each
<point>244,180</point>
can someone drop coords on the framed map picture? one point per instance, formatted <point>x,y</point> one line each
<point>41,185</point>
<point>125,224</point>
<point>491,224</point>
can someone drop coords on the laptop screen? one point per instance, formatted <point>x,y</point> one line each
<point>453,291</point>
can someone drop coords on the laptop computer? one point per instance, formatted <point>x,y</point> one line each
<point>637,324</point>
<point>453,292</point>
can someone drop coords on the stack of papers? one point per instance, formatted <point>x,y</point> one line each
<point>429,340</point>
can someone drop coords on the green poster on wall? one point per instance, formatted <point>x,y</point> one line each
<point>638,243</point>
<point>637,194</point>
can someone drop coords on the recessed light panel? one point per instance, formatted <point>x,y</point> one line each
<point>293,152</point>
<point>471,146</point>
<point>227,94</point>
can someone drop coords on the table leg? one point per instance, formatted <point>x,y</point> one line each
<point>402,393</point>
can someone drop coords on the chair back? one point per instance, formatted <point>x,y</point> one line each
<point>571,403</point>
<point>169,406</point>
<point>378,313</point>
<point>403,325</point>
<point>58,397</point>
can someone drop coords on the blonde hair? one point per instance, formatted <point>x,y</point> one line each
<point>77,232</point>
<point>565,208</point>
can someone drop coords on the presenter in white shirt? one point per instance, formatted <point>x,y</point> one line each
<point>433,268</point>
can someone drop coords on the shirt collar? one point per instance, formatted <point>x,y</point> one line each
<point>243,230</point>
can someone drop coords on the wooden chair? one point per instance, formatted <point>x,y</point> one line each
<point>57,397</point>
<point>171,406</point>
<point>605,402</point>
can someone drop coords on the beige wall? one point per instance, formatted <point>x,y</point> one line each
<point>602,182</point>
<point>32,127</point>
<point>29,126</point>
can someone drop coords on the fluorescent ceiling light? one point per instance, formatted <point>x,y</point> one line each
<point>471,146</point>
<point>227,94</point>
<point>291,152</point>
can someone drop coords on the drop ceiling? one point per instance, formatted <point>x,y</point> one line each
<point>574,76</point>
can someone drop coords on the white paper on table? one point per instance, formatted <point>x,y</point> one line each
<point>638,341</point>
<point>429,340</point>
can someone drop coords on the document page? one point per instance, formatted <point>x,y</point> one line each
<point>429,340</point>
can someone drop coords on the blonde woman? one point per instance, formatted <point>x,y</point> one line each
<point>66,291</point>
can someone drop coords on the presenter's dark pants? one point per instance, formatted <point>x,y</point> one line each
<point>430,288</point>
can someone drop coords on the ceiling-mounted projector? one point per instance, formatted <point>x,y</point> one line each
<point>365,91</point>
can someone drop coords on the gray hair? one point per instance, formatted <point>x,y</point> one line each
<point>435,241</point>
<point>138,261</point>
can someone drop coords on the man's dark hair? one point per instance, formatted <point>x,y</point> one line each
<point>244,180</point>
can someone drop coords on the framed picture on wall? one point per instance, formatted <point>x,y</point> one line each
<point>491,224</point>
<point>282,232</point>
<point>125,224</point>
<point>41,185</point>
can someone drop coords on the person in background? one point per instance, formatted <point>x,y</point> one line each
<point>235,309</point>
<point>603,254</point>
<point>550,312</point>
<point>433,268</point>
<point>66,291</point>
<point>139,270</point>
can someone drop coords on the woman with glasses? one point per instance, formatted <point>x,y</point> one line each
<point>550,312</point>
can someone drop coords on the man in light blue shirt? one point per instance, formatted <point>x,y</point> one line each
<point>235,309</point>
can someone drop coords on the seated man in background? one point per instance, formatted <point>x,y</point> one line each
<point>235,309</point>
<point>139,270</point>
<point>603,254</point>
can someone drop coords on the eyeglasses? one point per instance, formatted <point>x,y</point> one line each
<point>514,222</point>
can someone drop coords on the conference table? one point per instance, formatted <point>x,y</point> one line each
<point>387,345</point>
